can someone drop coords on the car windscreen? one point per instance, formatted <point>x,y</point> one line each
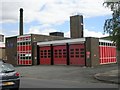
<point>6,68</point>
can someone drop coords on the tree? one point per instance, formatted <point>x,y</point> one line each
<point>112,26</point>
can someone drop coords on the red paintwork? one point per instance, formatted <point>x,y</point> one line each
<point>107,54</point>
<point>75,56</point>
<point>44,59</point>
<point>24,62</point>
<point>26,50</point>
<point>60,57</point>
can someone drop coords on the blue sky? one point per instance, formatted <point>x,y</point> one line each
<point>44,16</point>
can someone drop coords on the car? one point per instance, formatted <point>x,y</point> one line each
<point>9,77</point>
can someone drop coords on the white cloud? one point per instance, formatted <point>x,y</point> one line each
<point>41,30</point>
<point>10,33</point>
<point>67,34</point>
<point>50,11</point>
<point>1,32</point>
<point>90,33</point>
<point>46,31</point>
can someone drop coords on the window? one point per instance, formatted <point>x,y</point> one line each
<point>24,43</point>
<point>55,53</point>
<point>82,56</point>
<point>99,43</point>
<point>21,43</point>
<point>77,49</point>
<point>82,52</point>
<point>27,58</point>
<point>23,55</point>
<point>21,58</point>
<point>18,44</point>
<point>71,49</point>
<point>30,58</point>
<point>56,56</point>
<point>77,56</point>
<point>45,56</point>
<point>41,51</point>
<point>60,50</point>
<point>60,56</point>
<point>24,50</point>
<point>29,43</point>
<point>72,56</point>
<point>77,52</point>
<point>60,53</point>
<point>49,56</point>
<point>82,49</point>
<point>49,51</point>
<point>24,58</point>
<point>64,56</point>
<point>45,51</point>
<point>64,50</point>
<point>41,56</point>
<point>64,53</point>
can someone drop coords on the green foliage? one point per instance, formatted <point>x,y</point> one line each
<point>112,26</point>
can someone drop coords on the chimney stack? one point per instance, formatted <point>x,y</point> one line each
<point>76,26</point>
<point>21,22</point>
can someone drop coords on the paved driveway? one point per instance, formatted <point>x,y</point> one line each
<point>69,73</point>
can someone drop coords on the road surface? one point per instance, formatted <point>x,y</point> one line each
<point>44,83</point>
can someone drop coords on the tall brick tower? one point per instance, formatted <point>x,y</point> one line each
<point>76,26</point>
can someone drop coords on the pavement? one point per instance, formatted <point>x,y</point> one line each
<point>105,73</point>
<point>110,76</point>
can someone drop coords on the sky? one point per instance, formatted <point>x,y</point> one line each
<point>45,16</point>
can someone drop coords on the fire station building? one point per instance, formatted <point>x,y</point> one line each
<point>55,49</point>
<point>89,51</point>
<point>81,51</point>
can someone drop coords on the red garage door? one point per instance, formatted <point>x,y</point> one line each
<point>45,55</point>
<point>60,55</point>
<point>77,54</point>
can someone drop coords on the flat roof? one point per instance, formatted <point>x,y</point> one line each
<point>69,41</point>
<point>60,42</point>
